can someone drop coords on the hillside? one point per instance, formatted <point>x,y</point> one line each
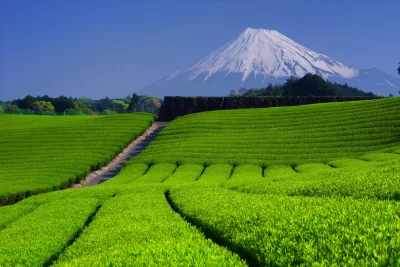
<point>282,135</point>
<point>314,185</point>
<point>45,153</point>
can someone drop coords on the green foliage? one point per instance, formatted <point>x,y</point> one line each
<point>133,105</point>
<point>247,174</point>
<point>309,85</point>
<point>270,90</point>
<point>152,234</point>
<point>156,174</point>
<point>287,88</point>
<point>122,106</point>
<point>81,107</point>
<point>273,230</point>
<point>45,225</point>
<point>11,213</point>
<point>374,182</point>
<point>279,136</point>
<point>314,185</point>
<point>275,171</point>
<point>43,106</point>
<point>13,108</point>
<point>108,112</point>
<point>149,104</point>
<point>135,224</point>
<point>129,173</point>
<point>144,103</point>
<point>185,174</point>
<point>356,178</point>
<point>215,174</point>
<point>48,229</point>
<point>41,153</point>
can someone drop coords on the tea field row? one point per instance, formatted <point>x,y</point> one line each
<point>147,215</point>
<point>279,136</point>
<point>45,153</point>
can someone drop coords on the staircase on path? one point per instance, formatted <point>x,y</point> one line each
<point>132,150</point>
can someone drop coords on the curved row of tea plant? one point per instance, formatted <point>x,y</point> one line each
<point>274,230</point>
<point>125,222</point>
<point>372,179</point>
<point>44,153</point>
<point>279,136</point>
<point>139,228</point>
<point>297,200</point>
<point>46,225</point>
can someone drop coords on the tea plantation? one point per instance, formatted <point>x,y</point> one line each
<point>315,185</point>
<point>44,153</point>
<point>314,133</point>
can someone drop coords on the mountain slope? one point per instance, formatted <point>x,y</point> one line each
<point>258,57</point>
<point>373,80</point>
<point>268,53</point>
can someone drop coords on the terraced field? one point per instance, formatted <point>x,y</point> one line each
<point>45,153</point>
<point>336,204</point>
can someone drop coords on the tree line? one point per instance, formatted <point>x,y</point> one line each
<point>309,85</point>
<point>82,105</point>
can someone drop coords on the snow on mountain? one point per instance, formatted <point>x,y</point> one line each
<point>268,53</point>
<point>258,57</point>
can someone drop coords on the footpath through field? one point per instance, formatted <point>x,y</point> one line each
<point>132,150</point>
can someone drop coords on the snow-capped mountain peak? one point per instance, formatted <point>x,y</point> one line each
<point>268,53</point>
<point>259,57</point>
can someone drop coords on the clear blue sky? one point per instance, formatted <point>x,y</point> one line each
<point>99,48</point>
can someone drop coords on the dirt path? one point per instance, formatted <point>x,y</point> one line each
<point>132,150</point>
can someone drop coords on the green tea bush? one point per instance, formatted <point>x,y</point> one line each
<point>45,153</point>
<point>140,229</point>
<point>279,136</point>
<point>272,230</point>
<point>315,185</point>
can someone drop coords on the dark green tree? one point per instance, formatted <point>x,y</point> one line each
<point>287,89</point>
<point>133,106</point>
<point>309,85</point>
<point>277,90</point>
<point>25,103</point>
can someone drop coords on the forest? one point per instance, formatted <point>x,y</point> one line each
<point>80,106</point>
<point>309,85</point>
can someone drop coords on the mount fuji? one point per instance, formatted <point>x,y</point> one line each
<point>258,57</point>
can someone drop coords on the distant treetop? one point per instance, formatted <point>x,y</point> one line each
<point>309,85</point>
